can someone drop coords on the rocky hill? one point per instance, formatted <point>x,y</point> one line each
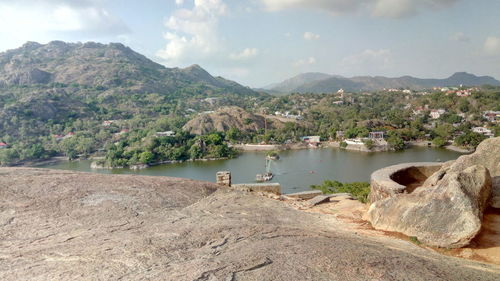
<point>106,66</point>
<point>230,117</point>
<point>324,83</point>
<point>62,225</point>
<point>60,82</point>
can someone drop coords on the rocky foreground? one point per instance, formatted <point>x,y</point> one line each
<point>62,225</point>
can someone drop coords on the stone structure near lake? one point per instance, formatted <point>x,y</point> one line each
<point>444,209</point>
<point>223,178</point>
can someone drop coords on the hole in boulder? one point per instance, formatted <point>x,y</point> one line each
<point>413,177</point>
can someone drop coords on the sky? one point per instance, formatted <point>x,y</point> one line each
<point>259,42</point>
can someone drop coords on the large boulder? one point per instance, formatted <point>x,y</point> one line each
<point>488,155</point>
<point>446,214</point>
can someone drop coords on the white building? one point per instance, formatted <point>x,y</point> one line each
<point>483,131</point>
<point>165,134</point>
<point>436,113</point>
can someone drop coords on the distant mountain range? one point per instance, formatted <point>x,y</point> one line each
<point>325,83</point>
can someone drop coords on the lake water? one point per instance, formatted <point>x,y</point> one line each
<point>295,171</point>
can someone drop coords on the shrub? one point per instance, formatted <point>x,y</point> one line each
<point>358,190</point>
<point>343,144</point>
<point>369,143</point>
<point>415,240</point>
<point>439,141</point>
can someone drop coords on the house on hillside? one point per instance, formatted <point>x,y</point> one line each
<point>3,145</point>
<point>165,134</point>
<point>108,123</point>
<point>418,110</point>
<point>69,135</point>
<point>463,93</point>
<point>492,116</point>
<point>437,113</point>
<point>483,131</point>
<point>376,135</point>
<point>312,141</point>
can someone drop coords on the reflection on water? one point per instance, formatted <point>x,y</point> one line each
<point>295,171</point>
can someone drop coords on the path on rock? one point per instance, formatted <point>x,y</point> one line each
<point>61,225</point>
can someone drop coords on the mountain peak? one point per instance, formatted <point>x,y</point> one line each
<point>194,67</point>
<point>112,66</point>
<point>462,74</point>
<point>31,44</point>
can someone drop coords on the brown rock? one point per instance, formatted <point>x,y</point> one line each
<point>447,214</point>
<point>230,117</point>
<point>488,155</point>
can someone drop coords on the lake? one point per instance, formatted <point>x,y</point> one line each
<point>295,171</point>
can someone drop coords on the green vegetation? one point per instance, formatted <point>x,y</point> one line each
<point>359,190</point>
<point>139,148</point>
<point>139,98</point>
<point>415,240</point>
<point>439,141</point>
<point>470,139</point>
<point>368,143</point>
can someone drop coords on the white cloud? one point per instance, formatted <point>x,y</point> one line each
<point>334,6</point>
<point>378,8</point>
<point>58,16</point>
<point>492,45</point>
<point>31,20</point>
<point>376,59</point>
<point>460,37</point>
<point>303,62</point>
<point>311,36</point>
<point>192,33</point>
<point>245,54</point>
<point>179,2</point>
<point>403,8</point>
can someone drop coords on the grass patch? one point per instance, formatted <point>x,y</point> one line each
<point>358,190</point>
<point>415,240</point>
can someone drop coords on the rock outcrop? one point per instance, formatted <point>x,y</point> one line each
<point>448,214</point>
<point>444,209</point>
<point>62,225</point>
<point>229,117</point>
<point>488,155</point>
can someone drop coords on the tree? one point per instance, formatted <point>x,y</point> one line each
<point>233,134</point>
<point>444,130</point>
<point>439,141</point>
<point>470,139</point>
<point>195,152</point>
<point>146,157</point>
<point>68,147</point>
<point>8,156</point>
<point>396,142</point>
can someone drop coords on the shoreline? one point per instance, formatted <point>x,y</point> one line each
<point>249,148</point>
<point>95,166</point>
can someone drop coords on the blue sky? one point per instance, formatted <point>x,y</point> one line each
<point>258,42</point>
